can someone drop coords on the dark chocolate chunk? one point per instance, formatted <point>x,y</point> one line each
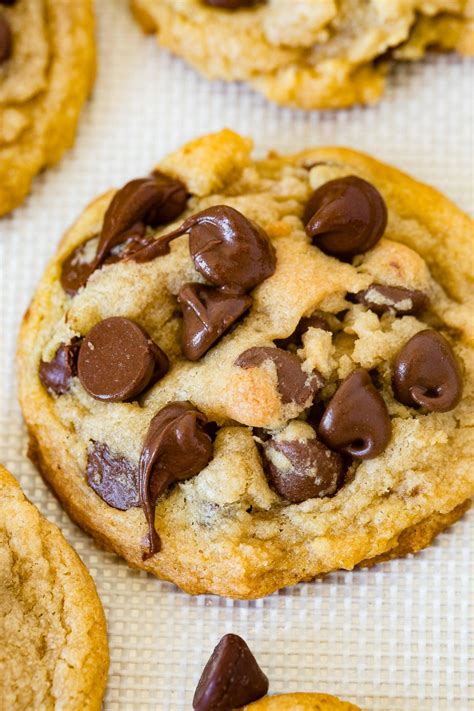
<point>227,249</point>
<point>356,420</point>
<point>296,337</point>
<point>207,314</point>
<point>56,374</point>
<point>427,374</point>
<point>294,384</point>
<point>231,678</point>
<point>113,478</point>
<point>177,446</point>
<point>396,299</point>
<point>6,40</point>
<point>345,217</point>
<point>308,469</point>
<point>118,360</point>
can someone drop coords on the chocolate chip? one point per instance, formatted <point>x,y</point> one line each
<point>56,374</point>
<point>113,478</point>
<point>356,420</point>
<point>304,324</point>
<point>231,678</point>
<point>394,299</point>
<point>345,217</point>
<point>177,446</point>
<point>294,384</point>
<point>6,40</point>
<point>232,4</point>
<point>207,314</point>
<point>9,3</point>
<point>426,373</point>
<point>299,466</point>
<point>226,248</point>
<point>152,201</point>
<point>118,360</point>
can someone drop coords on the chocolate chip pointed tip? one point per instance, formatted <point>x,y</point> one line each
<point>231,678</point>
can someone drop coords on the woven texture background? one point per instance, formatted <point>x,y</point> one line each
<point>394,638</point>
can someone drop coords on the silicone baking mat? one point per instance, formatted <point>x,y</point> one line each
<point>394,638</point>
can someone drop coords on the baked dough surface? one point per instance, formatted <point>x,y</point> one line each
<point>225,530</point>
<point>53,640</point>
<point>301,702</point>
<point>311,53</point>
<point>42,88</point>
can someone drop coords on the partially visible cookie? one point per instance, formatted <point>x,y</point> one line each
<point>53,641</point>
<point>233,679</point>
<point>307,54</point>
<point>47,66</point>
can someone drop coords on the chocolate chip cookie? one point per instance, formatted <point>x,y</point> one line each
<point>309,54</point>
<point>233,679</point>
<point>53,641</point>
<point>240,374</point>
<point>47,65</point>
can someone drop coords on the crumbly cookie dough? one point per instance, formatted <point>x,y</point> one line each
<point>301,702</point>
<point>312,54</point>
<point>53,641</point>
<point>226,530</point>
<point>44,81</point>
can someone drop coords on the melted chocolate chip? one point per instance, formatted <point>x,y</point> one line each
<point>6,40</point>
<point>56,374</point>
<point>176,447</point>
<point>231,678</point>
<point>304,324</point>
<point>118,360</point>
<point>229,250</point>
<point>426,373</point>
<point>303,468</point>
<point>232,4</point>
<point>345,217</point>
<point>9,3</point>
<point>113,478</point>
<point>395,299</point>
<point>207,314</point>
<point>356,420</point>
<point>294,384</point>
<point>153,201</point>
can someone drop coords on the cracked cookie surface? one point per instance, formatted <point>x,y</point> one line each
<point>310,53</point>
<point>53,652</point>
<point>45,77</point>
<point>235,527</point>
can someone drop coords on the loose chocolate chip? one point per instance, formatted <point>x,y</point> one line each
<point>176,447</point>
<point>6,40</point>
<point>395,299</point>
<point>231,678</point>
<point>345,217</point>
<point>56,374</point>
<point>426,373</point>
<point>296,337</point>
<point>226,248</point>
<point>294,384</point>
<point>118,360</point>
<point>301,467</point>
<point>154,201</point>
<point>356,420</point>
<point>113,478</point>
<point>207,314</point>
